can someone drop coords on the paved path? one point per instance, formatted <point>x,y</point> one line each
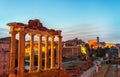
<point>111,71</point>
<point>89,72</point>
<point>102,71</point>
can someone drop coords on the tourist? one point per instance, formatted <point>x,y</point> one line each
<point>97,67</point>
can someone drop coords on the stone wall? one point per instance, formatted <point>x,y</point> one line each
<point>4,63</point>
<point>71,51</point>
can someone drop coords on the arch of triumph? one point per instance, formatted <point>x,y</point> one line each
<point>34,27</point>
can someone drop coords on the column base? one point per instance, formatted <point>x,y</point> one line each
<point>46,68</point>
<point>12,75</point>
<point>54,68</point>
<point>39,70</point>
<point>60,68</point>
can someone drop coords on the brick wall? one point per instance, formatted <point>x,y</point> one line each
<point>4,63</point>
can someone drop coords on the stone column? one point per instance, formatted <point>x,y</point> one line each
<point>52,53</point>
<point>60,52</point>
<point>21,54</point>
<point>12,54</point>
<point>56,53</point>
<point>39,52</point>
<point>46,53</point>
<point>31,53</point>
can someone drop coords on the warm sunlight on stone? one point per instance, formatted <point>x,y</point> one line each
<point>34,27</point>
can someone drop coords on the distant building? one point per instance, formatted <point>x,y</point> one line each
<point>4,55</point>
<point>71,48</point>
<point>118,47</point>
<point>102,44</point>
<point>73,42</point>
<point>98,40</point>
<point>71,51</point>
<point>93,43</point>
<point>109,45</point>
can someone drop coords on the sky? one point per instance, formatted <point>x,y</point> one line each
<point>83,19</point>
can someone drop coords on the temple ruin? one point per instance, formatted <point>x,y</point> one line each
<point>34,27</point>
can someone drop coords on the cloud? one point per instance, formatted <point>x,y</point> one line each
<point>4,32</point>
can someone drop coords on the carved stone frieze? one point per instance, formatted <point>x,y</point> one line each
<point>34,26</point>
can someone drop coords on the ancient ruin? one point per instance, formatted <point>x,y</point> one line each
<point>34,27</point>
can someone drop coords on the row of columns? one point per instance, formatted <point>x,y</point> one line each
<point>46,53</point>
<point>21,53</point>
